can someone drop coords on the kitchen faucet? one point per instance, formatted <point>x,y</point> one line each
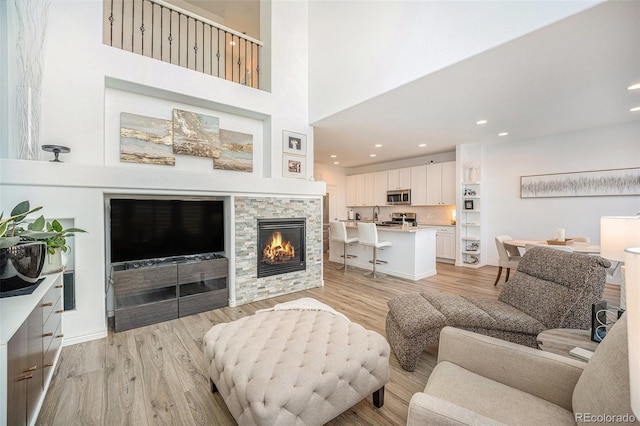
<point>376,213</point>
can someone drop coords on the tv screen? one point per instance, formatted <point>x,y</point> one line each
<point>150,229</point>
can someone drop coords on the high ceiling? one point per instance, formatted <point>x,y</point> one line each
<point>568,76</point>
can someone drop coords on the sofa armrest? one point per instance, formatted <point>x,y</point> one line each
<point>546,375</point>
<point>425,409</point>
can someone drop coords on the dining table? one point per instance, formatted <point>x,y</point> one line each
<point>576,246</point>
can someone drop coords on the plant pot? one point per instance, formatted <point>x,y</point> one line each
<point>53,262</point>
<point>21,266</point>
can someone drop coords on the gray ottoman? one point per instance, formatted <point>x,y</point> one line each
<point>295,367</point>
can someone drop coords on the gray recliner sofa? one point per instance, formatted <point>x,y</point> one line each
<point>550,289</point>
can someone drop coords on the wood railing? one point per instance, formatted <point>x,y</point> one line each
<point>165,32</point>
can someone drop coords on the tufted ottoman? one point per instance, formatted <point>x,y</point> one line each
<point>291,366</point>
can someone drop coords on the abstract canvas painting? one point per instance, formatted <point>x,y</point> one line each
<point>146,140</point>
<point>582,184</point>
<point>236,151</point>
<point>196,134</point>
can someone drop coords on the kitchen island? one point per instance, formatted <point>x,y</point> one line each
<point>412,255</point>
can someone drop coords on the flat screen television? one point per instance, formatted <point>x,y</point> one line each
<point>144,229</point>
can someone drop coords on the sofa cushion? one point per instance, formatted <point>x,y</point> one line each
<point>492,399</point>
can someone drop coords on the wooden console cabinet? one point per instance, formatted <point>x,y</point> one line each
<point>148,295</point>
<point>30,343</point>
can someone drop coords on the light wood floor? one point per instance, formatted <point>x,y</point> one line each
<point>155,375</point>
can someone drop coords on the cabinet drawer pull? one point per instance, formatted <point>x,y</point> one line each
<point>34,368</point>
<point>28,376</point>
<point>60,311</point>
<point>47,304</point>
<point>50,364</point>
<point>47,335</point>
<point>59,336</point>
<point>59,286</point>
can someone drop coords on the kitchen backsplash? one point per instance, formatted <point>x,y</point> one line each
<point>427,215</point>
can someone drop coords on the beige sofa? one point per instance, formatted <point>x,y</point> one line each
<point>483,380</point>
<point>550,289</point>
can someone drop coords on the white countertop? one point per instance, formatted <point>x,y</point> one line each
<point>354,224</point>
<point>14,310</point>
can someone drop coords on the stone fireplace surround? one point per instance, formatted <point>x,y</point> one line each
<point>247,211</point>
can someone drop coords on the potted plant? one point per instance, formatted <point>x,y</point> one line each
<point>21,262</point>
<point>55,236</point>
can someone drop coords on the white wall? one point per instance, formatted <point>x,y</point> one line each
<point>85,84</point>
<point>360,49</point>
<point>538,218</point>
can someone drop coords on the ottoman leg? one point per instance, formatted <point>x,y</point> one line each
<point>378,397</point>
<point>214,389</point>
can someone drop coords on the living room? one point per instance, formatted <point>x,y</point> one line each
<point>87,85</point>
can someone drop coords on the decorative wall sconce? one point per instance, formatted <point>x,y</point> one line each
<point>56,149</point>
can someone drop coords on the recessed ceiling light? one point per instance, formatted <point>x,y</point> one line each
<point>422,145</point>
<point>372,155</point>
<point>481,122</point>
<point>634,109</point>
<point>333,156</point>
<point>503,134</point>
<point>634,87</point>
<point>378,145</point>
<point>336,162</point>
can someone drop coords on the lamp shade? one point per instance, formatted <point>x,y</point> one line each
<point>618,233</point>
<point>632,264</point>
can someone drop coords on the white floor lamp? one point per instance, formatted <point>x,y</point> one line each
<point>632,263</point>
<point>618,233</point>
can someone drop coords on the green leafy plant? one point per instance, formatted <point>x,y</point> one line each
<point>9,227</point>
<point>13,231</point>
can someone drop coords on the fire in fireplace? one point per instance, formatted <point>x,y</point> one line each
<point>281,246</point>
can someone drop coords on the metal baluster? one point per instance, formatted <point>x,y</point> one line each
<point>245,62</point>
<point>218,53</point>
<point>187,44</point>
<point>179,35</point>
<point>153,5</point>
<point>122,28</point>
<point>161,30</point>
<point>210,50</point>
<point>231,64</point>
<point>170,36</point>
<point>133,21</point>
<point>111,19</point>
<point>142,27</point>
<point>202,46</point>
<point>239,73</point>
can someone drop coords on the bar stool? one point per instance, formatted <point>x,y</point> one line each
<point>368,234</point>
<point>339,234</point>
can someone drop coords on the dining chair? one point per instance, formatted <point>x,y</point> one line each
<point>508,256</point>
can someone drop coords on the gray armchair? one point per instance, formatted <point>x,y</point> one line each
<point>550,289</point>
<point>483,380</point>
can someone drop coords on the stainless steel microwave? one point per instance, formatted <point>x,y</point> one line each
<point>399,197</point>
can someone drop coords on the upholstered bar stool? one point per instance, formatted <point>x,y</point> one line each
<point>368,235</point>
<point>339,234</point>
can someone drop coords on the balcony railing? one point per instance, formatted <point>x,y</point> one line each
<point>161,31</point>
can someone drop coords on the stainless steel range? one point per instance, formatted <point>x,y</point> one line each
<point>410,219</point>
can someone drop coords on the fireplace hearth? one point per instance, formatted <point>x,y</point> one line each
<point>281,246</point>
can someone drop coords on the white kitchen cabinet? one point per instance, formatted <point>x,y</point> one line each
<point>446,244</point>
<point>399,179</point>
<point>351,192</point>
<point>419,185</point>
<point>360,191</point>
<point>380,188</point>
<point>369,189</point>
<point>441,181</point>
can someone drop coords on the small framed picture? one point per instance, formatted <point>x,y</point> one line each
<point>294,166</point>
<point>294,143</point>
<point>468,204</point>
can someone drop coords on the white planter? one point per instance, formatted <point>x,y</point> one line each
<point>53,262</point>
